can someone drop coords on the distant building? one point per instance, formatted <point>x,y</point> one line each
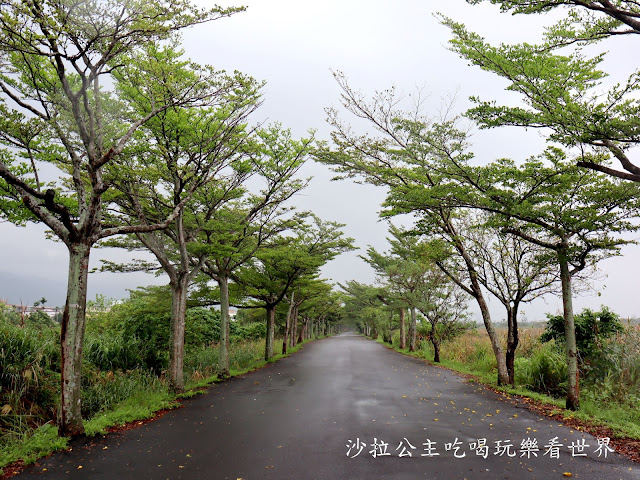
<point>25,310</point>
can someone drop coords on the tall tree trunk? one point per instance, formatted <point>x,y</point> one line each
<point>223,352</point>
<point>573,374</point>
<point>412,330</point>
<point>512,340</point>
<point>403,335</point>
<point>476,290</point>
<point>271,326</point>
<point>71,339</point>
<point>287,327</point>
<point>303,332</point>
<point>503,375</point>
<point>294,327</point>
<point>436,349</point>
<point>176,340</point>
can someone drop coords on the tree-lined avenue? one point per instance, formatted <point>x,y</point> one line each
<point>296,418</point>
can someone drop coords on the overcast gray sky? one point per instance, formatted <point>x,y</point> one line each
<point>294,46</point>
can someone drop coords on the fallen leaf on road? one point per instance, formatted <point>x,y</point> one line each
<point>568,474</point>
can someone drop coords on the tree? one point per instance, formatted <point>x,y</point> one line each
<point>189,160</point>
<point>413,157</point>
<point>444,305</point>
<point>285,259</point>
<point>56,58</point>
<point>586,21</point>
<point>362,303</point>
<point>572,212</point>
<point>303,293</point>
<point>547,201</point>
<point>40,303</point>
<point>231,238</point>
<point>513,270</point>
<point>405,269</point>
<point>321,309</point>
<point>564,92</point>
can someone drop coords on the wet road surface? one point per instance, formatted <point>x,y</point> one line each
<point>318,415</point>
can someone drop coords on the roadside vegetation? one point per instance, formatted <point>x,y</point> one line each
<point>102,153</point>
<point>124,371</point>
<point>610,369</point>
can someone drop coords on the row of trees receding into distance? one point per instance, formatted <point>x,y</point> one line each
<point>110,137</point>
<point>510,228</point>
<point>154,152</point>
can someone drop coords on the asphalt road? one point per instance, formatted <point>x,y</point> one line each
<point>317,415</point>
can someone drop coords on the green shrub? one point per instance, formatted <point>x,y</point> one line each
<point>253,331</point>
<point>592,329</point>
<point>202,327</point>
<point>152,331</point>
<point>9,315</point>
<point>40,319</point>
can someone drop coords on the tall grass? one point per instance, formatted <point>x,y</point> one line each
<point>202,363</point>
<point>613,372</point>
<point>103,390</point>
<point>113,351</point>
<point>544,370</point>
<point>29,376</point>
